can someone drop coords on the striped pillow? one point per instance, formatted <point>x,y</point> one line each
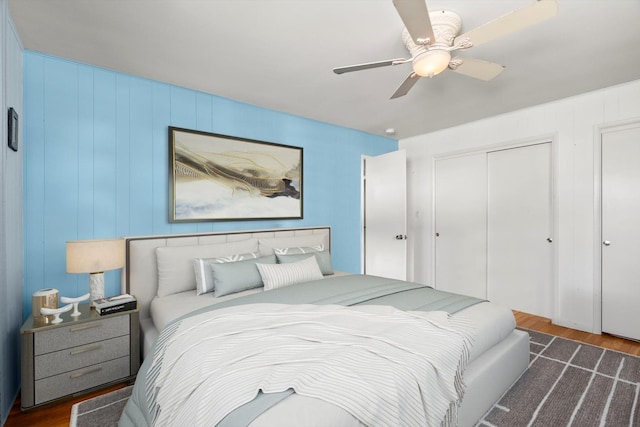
<point>280,275</point>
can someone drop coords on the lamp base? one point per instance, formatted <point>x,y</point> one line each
<point>96,286</point>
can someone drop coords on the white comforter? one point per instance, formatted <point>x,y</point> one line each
<point>384,366</point>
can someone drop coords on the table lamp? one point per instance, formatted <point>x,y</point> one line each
<point>95,257</point>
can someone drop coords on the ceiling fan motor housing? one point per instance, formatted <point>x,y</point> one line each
<point>446,26</point>
<point>431,59</point>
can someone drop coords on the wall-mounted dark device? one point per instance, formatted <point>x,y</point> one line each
<point>13,129</point>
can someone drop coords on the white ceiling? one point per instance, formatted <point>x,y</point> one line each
<point>279,54</point>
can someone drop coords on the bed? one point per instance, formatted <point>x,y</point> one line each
<point>171,278</point>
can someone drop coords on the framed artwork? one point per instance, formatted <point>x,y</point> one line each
<point>12,139</point>
<point>217,177</point>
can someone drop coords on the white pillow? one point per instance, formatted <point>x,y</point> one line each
<point>280,275</point>
<point>175,263</point>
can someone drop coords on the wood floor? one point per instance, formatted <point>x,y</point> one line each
<point>542,324</point>
<point>58,415</point>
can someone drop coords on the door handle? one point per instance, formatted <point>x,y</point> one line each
<point>549,239</point>
<point>401,237</point>
<point>606,243</point>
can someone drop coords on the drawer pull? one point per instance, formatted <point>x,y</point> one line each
<point>85,349</point>
<point>85,327</point>
<point>88,371</point>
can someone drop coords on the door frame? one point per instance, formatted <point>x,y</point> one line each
<point>600,130</point>
<point>551,138</point>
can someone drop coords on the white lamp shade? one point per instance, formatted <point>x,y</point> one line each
<point>431,62</point>
<point>95,256</point>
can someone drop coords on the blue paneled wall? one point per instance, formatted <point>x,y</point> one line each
<point>96,164</point>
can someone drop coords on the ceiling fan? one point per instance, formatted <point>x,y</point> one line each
<point>431,37</point>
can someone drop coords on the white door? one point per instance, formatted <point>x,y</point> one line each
<point>519,247</point>
<point>460,225</point>
<point>621,232</point>
<point>385,218</point>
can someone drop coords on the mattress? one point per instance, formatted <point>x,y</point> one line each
<point>493,322</point>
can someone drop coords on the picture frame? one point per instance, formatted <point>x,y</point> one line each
<point>12,134</point>
<point>214,177</point>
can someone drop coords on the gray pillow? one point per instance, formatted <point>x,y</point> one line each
<point>232,277</point>
<point>204,275</point>
<point>323,258</point>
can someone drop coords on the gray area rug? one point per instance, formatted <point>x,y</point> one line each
<point>568,383</point>
<point>100,411</point>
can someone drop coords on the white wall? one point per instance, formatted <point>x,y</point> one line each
<point>11,248</point>
<point>572,123</point>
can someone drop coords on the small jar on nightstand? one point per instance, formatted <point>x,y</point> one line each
<point>79,354</point>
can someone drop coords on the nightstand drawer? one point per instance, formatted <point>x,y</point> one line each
<point>79,334</point>
<point>72,382</point>
<point>50,364</point>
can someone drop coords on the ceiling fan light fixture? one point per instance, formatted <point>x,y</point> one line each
<point>431,62</point>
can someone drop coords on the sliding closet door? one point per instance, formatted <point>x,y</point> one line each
<point>519,247</point>
<point>620,232</point>
<point>461,224</point>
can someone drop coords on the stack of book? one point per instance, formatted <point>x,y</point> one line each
<point>115,304</point>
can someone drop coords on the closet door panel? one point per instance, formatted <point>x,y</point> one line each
<point>460,224</point>
<point>519,254</point>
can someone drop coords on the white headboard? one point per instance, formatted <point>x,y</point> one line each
<point>140,274</point>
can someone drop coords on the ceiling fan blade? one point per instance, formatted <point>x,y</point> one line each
<point>415,16</point>
<point>367,65</point>
<point>511,22</point>
<point>476,68</point>
<point>406,86</point>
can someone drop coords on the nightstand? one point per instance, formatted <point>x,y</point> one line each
<point>78,355</point>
